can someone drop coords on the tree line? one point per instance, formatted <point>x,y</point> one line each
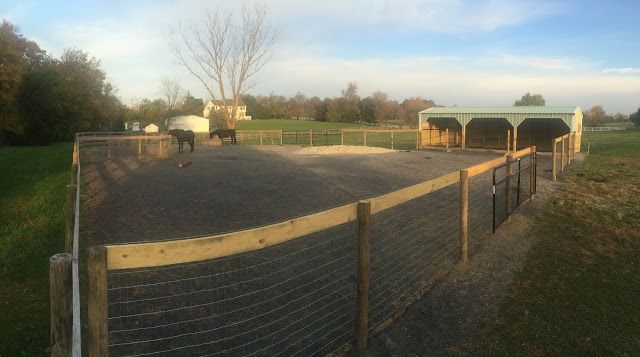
<point>348,107</point>
<point>45,99</point>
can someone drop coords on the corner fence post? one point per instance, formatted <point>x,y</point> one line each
<point>97,301</point>
<point>60,294</point>
<point>464,215</point>
<point>69,210</point>
<point>364,255</point>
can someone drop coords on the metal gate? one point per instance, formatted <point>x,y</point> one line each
<point>514,182</point>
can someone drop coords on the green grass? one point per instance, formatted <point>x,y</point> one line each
<point>32,194</point>
<point>288,124</point>
<point>579,290</point>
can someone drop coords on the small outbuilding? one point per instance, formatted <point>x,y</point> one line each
<point>189,122</point>
<point>151,128</point>
<point>497,127</point>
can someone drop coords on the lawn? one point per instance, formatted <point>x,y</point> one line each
<point>32,197</point>
<point>290,125</point>
<point>579,290</point>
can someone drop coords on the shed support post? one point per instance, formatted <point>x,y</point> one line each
<point>515,138</point>
<point>464,135</point>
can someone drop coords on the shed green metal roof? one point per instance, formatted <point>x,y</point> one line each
<point>502,110</point>
<point>571,115</point>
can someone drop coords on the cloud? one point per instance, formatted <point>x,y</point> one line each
<point>450,80</point>
<point>623,71</point>
<point>442,16</point>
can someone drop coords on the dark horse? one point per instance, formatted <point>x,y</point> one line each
<point>224,133</point>
<point>182,136</point>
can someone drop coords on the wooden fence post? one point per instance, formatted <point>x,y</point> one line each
<point>364,254</point>
<point>69,210</point>
<point>418,139</point>
<point>281,143</point>
<point>61,298</point>
<point>532,175</point>
<point>392,140</point>
<point>139,147</point>
<point>311,137</point>
<point>260,137</point>
<point>508,140</point>
<point>108,150</point>
<point>160,147</point>
<point>341,137</point>
<point>97,301</point>
<point>464,215</point>
<point>553,160</point>
<point>365,138</point>
<point>508,184</point>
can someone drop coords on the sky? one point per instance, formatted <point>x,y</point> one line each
<point>456,52</point>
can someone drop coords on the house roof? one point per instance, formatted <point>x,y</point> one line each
<point>503,110</point>
<point>229,102</point>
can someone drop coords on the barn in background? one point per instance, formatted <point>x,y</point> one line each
<point>497,127</point>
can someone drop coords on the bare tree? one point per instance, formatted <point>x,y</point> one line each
<point>224,55</point>
<point>171,92</point>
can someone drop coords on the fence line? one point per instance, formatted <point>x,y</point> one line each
<point>268,253</point>
<point>569,146</point>
<point>603,128</point>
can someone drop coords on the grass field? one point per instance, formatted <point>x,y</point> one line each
<point>33,183</point>
<point>288,124</point>
<point>579,290</point>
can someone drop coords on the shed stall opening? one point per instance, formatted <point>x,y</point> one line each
<point>507,128</point>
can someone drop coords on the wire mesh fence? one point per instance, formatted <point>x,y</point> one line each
<point>296,298</point>
<point>412,246</point>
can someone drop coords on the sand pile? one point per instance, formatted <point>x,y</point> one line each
<point>342,149</point>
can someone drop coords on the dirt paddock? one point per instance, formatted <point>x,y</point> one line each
<point>236,187</point>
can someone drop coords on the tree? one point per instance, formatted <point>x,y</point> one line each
<point>635,117</point>
<point>18,56</point>
<point>191,105</point>
<point>348,107</point>
<point>223,55</point>
<point>412,106</point>
<point>594,116</point>
<point>530,99</point>
<point>171,92</point>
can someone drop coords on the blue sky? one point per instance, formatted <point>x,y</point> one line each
<point>455,52</point>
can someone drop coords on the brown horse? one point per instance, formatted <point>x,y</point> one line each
<point>224,133</point>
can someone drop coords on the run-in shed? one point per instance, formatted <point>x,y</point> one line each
<point>493,127</point>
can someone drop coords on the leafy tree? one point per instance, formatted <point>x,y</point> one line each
<point>635,117</point>
<point>348,105</point>
<point>530,99</point>
<point>191,105</point>
<point>17,57</point>
<point>66,96</point>
<point>594,116</point>
<point>412,106</point>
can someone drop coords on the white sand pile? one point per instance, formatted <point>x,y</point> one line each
<point>342,149</point>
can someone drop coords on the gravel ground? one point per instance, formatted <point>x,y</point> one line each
<point>237,187</point>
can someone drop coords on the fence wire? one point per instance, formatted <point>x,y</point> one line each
<point>412,246</point>
<point>296,298</point>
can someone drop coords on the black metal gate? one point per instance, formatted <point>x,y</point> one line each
<point>514,182</point>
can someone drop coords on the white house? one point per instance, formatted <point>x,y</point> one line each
<point>216,105</point>
<point>151,128</point>
<point>190,122</point>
